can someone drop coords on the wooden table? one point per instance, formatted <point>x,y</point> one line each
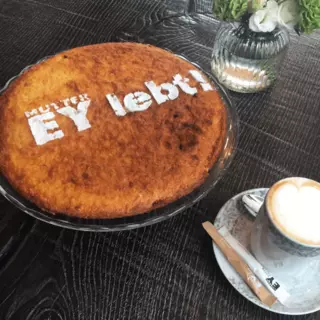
<point>166,271</point>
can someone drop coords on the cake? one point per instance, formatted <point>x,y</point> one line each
<point>110,130</point>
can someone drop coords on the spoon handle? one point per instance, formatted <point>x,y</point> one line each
<point>252,203</point>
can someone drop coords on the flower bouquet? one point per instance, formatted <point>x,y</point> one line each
<point>253,38</point>
<point>266,15</point>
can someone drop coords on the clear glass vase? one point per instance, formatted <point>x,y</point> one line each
<point>247,61</point>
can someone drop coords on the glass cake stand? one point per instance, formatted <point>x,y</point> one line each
<point>141,220</point>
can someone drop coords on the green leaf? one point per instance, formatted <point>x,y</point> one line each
<point>230,10</point>
<point>309,15</point>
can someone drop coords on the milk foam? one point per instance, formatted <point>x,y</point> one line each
<point>295,206</point>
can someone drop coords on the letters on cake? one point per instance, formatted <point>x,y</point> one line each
<point>41,119</point>
<point>44,128</point>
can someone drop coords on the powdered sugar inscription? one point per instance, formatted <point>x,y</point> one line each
<point>45,128</point>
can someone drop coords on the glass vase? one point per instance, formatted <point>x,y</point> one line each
<point>247,61</point>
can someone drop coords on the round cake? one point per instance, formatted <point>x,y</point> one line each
<point>110,130</point>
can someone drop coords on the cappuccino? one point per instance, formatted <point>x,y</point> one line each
<point>294,207</point>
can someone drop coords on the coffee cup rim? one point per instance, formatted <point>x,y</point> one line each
<point>287,236</point>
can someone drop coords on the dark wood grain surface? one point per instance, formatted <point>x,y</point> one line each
<point>166,271</point>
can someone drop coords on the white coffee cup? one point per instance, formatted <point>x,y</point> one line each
<point>286,234</point>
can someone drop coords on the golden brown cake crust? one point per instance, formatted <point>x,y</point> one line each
<point>121,166</point>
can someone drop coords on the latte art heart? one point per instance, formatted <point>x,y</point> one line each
<point>295,207</point>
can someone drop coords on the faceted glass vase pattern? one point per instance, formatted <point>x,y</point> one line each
<point>247,61</point>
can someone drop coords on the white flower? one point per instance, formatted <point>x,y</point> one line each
<point>272,8</point>
<point>265,20</point>
<point>288,13</point>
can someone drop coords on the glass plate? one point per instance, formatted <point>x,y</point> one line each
<point>141,220</point>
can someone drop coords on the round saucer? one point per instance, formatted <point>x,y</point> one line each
<point>305,296</point>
